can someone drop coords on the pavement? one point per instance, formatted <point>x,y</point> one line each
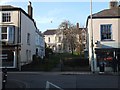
<point>11,83</point>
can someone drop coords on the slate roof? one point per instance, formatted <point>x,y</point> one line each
<point>114,12</point>
<point>106,13</point>
<point>12,8</point>
<point>50,32</point>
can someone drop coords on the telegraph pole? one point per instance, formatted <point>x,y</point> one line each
<point>92,63</point>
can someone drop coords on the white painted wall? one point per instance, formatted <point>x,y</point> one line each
<point>27,26</point>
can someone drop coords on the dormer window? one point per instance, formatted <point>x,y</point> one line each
<point>6,17</point>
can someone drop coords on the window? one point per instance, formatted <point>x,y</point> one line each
<point>7,34</point>
<point>6,17</point>
<point>28,55</point>
<point>105,56</point>
<point>28,38</point>
<point>106,32</point>
<point>4,33</point>
<point>11,34</point>
<point>59,39</point>
<point>49,39</point>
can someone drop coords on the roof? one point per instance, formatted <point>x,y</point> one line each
<point>50,32</point>
<point>114,12</point>
<point>12,8</point>
<point>6,7</point>
<point>106,13</point>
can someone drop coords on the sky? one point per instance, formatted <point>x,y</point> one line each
<point>48,14</point>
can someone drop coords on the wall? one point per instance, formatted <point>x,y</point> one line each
<point>27,26</point>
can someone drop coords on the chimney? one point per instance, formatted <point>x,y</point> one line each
<point>113,4</point>
<point>66,26</point>
<point>77,25</point>
<point>30,9</point>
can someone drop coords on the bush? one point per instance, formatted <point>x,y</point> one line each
<point>48,51</point>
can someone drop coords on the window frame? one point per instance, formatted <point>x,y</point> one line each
<point>106,28</point>
<point>9,38</point>
<point>28,38</point>
<point>8,17</point>
<point>49,39</point>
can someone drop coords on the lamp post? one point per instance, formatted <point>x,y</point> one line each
<point>92,64</point>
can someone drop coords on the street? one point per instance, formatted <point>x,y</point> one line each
<point>64,81</point>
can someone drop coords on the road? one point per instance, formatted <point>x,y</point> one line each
<point>64,81</point>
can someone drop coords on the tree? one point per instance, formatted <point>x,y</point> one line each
<point>69,36</point>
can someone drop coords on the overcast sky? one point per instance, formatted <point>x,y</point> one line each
<point>48,15</point>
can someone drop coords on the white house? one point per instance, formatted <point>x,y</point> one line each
<point>54,39</point>
<point>17,36</point>
<point>106,38</point>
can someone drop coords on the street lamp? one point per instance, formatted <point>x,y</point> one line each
<point>92,65</point>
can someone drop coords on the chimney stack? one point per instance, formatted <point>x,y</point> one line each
<point>30,9</point>
<point>66,26</point>
<point>77,25</point>
<point>113,4</point>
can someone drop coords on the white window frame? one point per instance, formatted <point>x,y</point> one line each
<point>6,12</point>
<point>8,34</point>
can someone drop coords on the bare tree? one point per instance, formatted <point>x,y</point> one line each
<point>70,40</point>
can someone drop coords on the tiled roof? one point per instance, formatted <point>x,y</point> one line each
<point>50,32</point>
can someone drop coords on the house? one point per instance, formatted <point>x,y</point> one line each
<point>104,38</point>
<point>55,39</point>
<point>40,44</point>
<point>18,36</point>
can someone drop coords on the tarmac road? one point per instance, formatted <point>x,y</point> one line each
<point>37,80</point>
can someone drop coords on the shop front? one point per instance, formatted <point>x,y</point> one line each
<point>8,57</point>
<point>109,57</point>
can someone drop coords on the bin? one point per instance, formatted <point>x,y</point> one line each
<point>102,67</point>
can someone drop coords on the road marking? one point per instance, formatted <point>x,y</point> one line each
<point>48,86</point>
